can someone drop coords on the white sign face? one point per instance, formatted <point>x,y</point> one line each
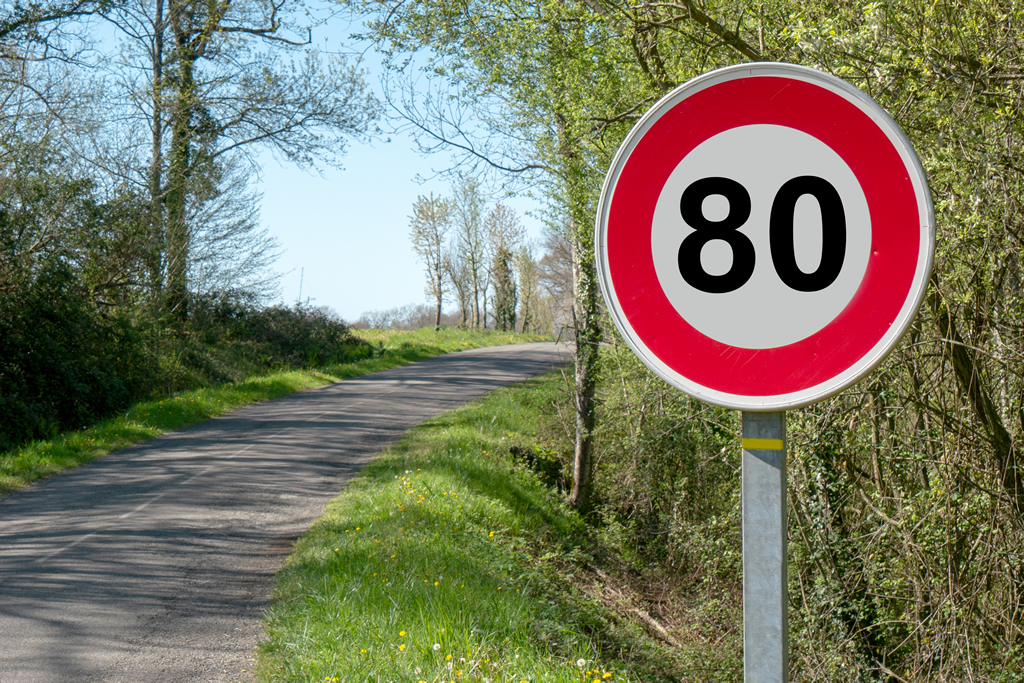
<point>772,155</point>
<point>764,236</point>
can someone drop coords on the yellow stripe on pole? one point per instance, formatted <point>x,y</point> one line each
<point>762,444</point>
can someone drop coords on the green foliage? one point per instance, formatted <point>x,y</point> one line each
<point>277,335</point>
<point>67,364</point>
<point>504,291</point>
<point>668,467</point>
<point>66,359</point>
<point>63,364</point>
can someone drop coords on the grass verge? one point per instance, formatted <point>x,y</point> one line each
<point>37,459</point>
<point>446,560</point>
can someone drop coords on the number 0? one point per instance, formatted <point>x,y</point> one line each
<point>780,234</point>
<point>833,233</point>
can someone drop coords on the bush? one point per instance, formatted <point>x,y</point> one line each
<point>63,364</point>
<point>278,335</point>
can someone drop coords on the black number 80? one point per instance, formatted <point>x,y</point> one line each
<point>780,233</point>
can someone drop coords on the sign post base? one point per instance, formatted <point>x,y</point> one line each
<point>765,563</point>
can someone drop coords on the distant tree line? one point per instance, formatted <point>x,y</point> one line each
<point>408,317</point>
<point>479,259</point>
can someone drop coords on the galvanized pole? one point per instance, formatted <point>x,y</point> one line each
<point>765,564</point>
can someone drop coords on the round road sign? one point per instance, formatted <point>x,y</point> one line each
<point>764,236</point>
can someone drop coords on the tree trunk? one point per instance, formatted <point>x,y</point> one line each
<point>476,293</point>
<point>587,336</point>
<point>483,320</point>
<point>177,246</point>
<point>155,252</point>
<point>586,333</point>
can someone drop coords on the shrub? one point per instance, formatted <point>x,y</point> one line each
<point>63,363</point>
<point>280,335</point>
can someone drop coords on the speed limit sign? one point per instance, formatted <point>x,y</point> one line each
<point>764,236</point>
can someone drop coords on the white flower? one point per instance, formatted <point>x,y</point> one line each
<point>437,646</point>
<point>581,663</point>
<point>419,670</point>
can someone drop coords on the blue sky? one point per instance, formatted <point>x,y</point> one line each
<point>345,233</point>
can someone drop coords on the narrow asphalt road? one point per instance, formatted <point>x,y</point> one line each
<point>156,563</point>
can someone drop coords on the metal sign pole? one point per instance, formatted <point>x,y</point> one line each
<point>765,563</point>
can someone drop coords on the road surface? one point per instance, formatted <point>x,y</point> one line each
<point>156,563</point>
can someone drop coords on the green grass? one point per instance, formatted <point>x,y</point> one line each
<point>37,459</point>
<point>443,560</point>
<point>400,347</point>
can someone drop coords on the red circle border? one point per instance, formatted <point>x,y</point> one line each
<point>895,236</point>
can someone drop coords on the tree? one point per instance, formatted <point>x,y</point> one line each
<point>504,291</point>
<point>430,223</point>
<point>470,246</point>
<point>210,80</point>
<point>504,234</point>
<point>41,96</point>
<point>461,279</point>
<point>528,277</point>
<point>544,81</point>
<point>68,256</point>
<point>230,253</point>
<point>555,276</point>
<point>24,21</point>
